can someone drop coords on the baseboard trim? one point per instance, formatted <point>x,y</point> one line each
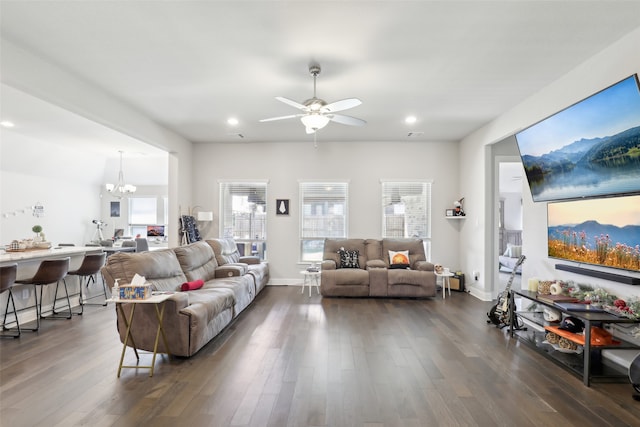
<point>614,277</point>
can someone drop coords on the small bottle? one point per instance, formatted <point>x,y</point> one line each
<point>115,291</point>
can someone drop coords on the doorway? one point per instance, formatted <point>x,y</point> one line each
<point>509,221</point>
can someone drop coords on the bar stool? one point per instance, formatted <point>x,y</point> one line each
<point>7,279</point>
<point>90,267</point>
<point>50,271</point>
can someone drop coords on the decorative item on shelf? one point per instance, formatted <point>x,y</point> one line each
<point>120,189</point>
<point>544,287</point>
<point>36,210</point>
<point>533,284</point>
<point>458,208</point>
<point>448,212</point>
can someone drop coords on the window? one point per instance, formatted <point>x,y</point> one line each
<point>143,211</point>
<point>323,213</point>
<point>406,210</point>
<point>243,207</point>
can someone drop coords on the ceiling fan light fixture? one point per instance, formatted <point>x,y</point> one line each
<point>314,121</point>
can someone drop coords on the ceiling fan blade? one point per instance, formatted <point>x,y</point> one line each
<point>291,102</point>
<point>346,120</point>
<point>292,116</point>
<point>343,104</point>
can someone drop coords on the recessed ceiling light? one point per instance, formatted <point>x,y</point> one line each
<point>6,124</point>
<point>410,120</point>
<point>232,121</point>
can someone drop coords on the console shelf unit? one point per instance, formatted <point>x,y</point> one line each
<point>587,363</point>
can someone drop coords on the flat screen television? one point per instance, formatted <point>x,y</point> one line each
<point>155,230</point>
<point>589,149</point>
<point>604,232</point>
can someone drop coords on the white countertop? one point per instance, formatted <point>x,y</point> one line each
<point>47,253</point>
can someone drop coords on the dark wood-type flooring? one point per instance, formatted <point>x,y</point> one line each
<point>291,360</point>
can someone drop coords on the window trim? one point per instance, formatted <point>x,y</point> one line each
<point>301,216</point>
<point>260,241</point>
<point>428,188</point>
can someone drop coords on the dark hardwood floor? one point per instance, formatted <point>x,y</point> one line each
<point>291,360</point>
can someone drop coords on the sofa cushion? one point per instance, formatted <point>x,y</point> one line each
<point>349,258</point>
<point>414,246</point>
<point>197,261</point>
<point>399,258</point>
<point>399,266</point>
<point>226,251</point>
<point>160,268</point>
<point>331,247</point>
<point>214,300</point>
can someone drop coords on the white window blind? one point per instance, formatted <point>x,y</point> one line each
<point>406,210</point>
<point>243,207</point>
<point>323,213</point>
<point>143,210</point>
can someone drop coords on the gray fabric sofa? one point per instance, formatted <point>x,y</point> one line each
<point>192,318</point>
<point>376,276</point>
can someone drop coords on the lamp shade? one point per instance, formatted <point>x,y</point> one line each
<point>205,216</point>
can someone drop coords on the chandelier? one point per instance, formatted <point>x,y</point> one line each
<point>120,189</point>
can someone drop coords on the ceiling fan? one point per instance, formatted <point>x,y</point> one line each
<point>316,113</point>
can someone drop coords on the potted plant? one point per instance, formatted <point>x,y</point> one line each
<point>37,229</point>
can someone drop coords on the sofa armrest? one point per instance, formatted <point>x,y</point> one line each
<point>376,263</point>
<point>229,271</point>
<point>423,266</point>
<point>176,321</point>
<point>249,260</point>
<point>328,264</point>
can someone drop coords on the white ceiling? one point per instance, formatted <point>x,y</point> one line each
<point>190,65</point>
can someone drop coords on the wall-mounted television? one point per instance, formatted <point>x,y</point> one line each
<point>589,149</point>
<point>604,232</point>
<point>155,230</point>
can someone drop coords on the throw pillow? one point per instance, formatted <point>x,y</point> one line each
<point>507,252</point>
<point>192,286</point>
<point>399,257</point>
<point>349,259</point>
<point>513,251</point>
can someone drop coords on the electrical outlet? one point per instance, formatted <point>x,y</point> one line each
<point>475,275</point>
<point>25,294</point>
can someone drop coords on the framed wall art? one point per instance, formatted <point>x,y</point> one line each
<point>115,209</point>
<point>282,206</point>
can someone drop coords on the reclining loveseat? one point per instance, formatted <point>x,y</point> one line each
<point>376,268</point>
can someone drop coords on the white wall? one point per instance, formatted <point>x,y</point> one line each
<point>612,65</point>
<point>512,210</point>
<point>65,182</point>
<point>362,164</point>
<point>46,81</point>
